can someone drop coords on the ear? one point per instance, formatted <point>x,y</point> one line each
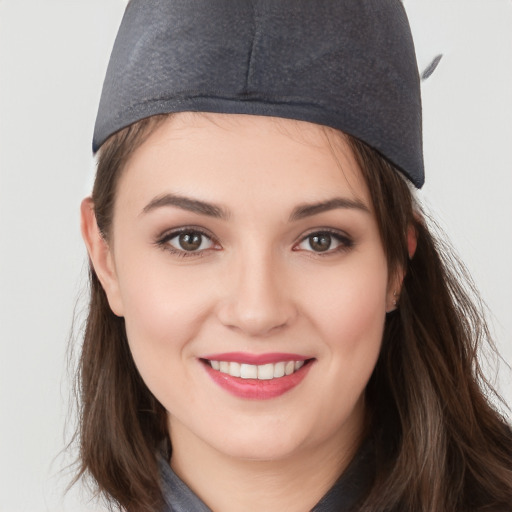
<point>395,284</point>
<point>394,289</point>
<point>412,241</point>
<point>100,255</point>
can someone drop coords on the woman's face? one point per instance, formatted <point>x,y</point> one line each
<point>243,248</point>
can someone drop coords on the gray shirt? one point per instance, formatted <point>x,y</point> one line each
<point>344,496</point>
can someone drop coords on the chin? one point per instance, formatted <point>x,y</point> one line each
<point>261,449</point>
<point>245,439</point>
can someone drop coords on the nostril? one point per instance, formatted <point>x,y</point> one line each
<point>256,320</point>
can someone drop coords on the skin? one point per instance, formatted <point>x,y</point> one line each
<point>256,285</point>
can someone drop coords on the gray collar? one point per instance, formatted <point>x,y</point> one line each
<point>346,493</point>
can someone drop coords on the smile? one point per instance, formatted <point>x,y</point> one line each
<point>267,371</point>
<point>257,377</point>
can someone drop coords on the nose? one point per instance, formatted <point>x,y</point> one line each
<point>257,301</point>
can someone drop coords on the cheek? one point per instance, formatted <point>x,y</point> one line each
<point>349,314</point>
<point>349,306</point>
<point>163,312</point>
<point>162,320</point>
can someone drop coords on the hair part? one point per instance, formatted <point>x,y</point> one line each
<point>439,444</point>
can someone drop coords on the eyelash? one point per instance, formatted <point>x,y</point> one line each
<point>163,242</point>
<point>345,242</point>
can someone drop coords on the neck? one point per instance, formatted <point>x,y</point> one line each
<point>229,484</point>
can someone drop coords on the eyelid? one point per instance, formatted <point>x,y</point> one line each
<point>344,240</point>
<point>163,240</point>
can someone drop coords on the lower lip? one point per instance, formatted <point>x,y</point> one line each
<point>256,389</point>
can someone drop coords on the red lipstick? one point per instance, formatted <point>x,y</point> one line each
<point>257,388</point>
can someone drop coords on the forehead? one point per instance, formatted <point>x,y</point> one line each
<point>229,157</point>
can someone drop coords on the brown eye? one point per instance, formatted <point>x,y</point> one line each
<point>320,242</point>
<point>190,241</point>
<point>324,242</point>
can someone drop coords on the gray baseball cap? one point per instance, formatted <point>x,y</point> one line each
<point>347,64</point>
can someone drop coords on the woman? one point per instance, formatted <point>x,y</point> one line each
<point>271,324</point>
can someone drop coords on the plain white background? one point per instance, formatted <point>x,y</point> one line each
<point>53,55</point>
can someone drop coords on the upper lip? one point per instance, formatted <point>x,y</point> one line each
<point>255,359</point>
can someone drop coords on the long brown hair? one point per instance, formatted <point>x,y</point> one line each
<point>439,443</point>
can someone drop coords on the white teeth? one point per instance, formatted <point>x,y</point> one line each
<point>266,371</point>
<point>248,371</point>
<point>234,369</point>
<point>279,370</point>
<point>261,372</point>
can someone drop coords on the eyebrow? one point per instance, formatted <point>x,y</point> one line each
<point>212,210</point>
<point>307,210</point>
<point>186,203</point>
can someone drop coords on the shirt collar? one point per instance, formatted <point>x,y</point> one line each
<point>348,490</point>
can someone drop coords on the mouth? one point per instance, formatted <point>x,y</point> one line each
<point>267,371</point>
<point>257,377</point>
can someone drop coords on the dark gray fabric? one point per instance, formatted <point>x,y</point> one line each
<point>348,64</point>
<point>344,496</point>
<point>178,497</point>
<point>352,486</point>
